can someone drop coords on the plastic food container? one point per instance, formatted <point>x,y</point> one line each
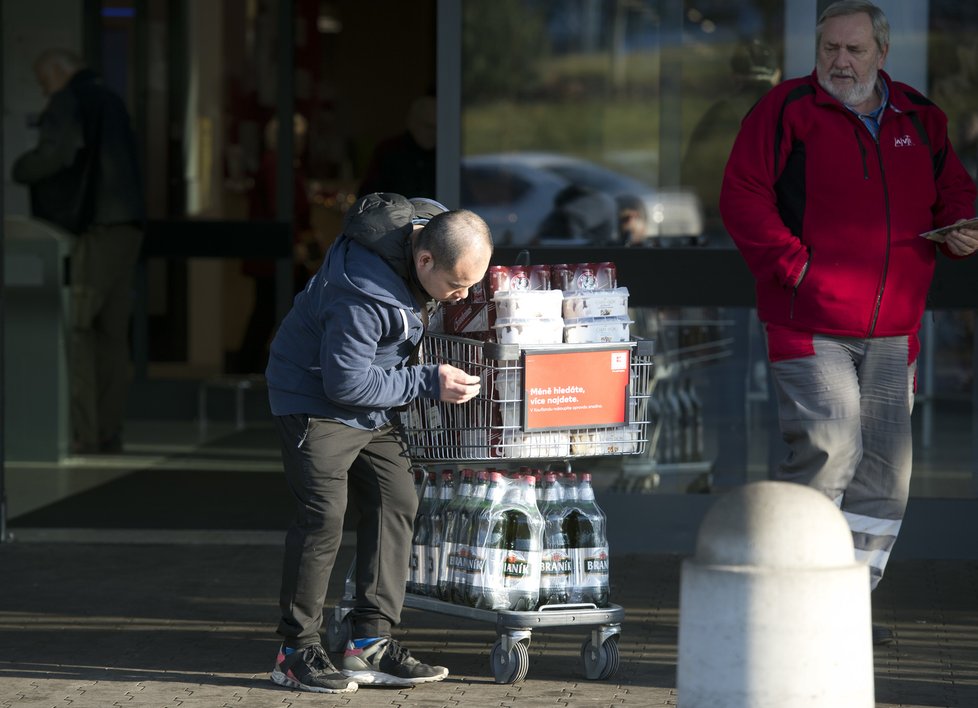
<point>613,441</point>
<point>516,443</point>
<point>595,303</point>
<point>596,329</point>
<point>543,304</point>
<point>529,331</point>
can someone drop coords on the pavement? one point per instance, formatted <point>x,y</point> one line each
<point>163,620</point>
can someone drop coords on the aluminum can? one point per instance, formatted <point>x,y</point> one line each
<point>477,293</point>
<point>561,276</point>
<point>539,277</point>
<point>585,277</point>
<point>519,277</point>
<point>497,279</point>
<point>606,275</point>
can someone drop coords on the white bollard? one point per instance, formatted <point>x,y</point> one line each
<point>774,610</point>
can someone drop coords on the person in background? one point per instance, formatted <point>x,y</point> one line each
<point>405,163</point>
<point>831,181</point>
<point>957,94</point>
<point>84,177</point>
<point>755,69</point>
<point>342,364</point>
<point>580,216</point>
<point>633,221</point>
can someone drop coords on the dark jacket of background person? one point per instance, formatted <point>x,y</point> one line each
<point>755,69</point>
<point>405,163</point>
<point>581,215</point>
<point>83,169</point>
<point>342,350</point>
<point>806,185</point>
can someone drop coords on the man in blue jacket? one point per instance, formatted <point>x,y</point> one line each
<point>341,365</point>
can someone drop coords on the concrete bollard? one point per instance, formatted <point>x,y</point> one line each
<point>774,610</point>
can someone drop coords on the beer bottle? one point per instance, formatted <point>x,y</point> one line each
<point>584,524</point>
<point>436,526</point>
<point>555,565</point>
<point>488,532</point>
<point>462,542</point>
<point>449,556</point>
<point>418,577</point>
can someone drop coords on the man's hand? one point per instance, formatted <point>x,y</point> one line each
<point>962,242</point>
<point>456,386</point>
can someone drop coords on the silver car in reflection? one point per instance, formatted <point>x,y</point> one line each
<point>515,193</point>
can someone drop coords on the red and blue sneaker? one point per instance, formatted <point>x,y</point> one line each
<point>309,669</point>
<point>382,661</point>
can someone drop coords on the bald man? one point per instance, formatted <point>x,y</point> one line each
<point>84,178</point>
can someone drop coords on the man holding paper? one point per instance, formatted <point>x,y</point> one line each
<point>830,184</point>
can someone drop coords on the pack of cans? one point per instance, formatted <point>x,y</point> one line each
<point>556,276</point>
<point>475,317</point>
<point>584,276</point>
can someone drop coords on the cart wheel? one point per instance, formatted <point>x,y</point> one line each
<point>512,667</point>
<point>600,662</point>
<point>337,633</point>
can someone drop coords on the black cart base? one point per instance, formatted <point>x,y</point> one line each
<point>509,658</point>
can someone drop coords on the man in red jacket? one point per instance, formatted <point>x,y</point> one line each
<point>831,181</point>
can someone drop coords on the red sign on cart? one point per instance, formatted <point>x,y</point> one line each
<point>576,389</point>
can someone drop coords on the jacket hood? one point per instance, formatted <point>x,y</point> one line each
<point>383,222</point>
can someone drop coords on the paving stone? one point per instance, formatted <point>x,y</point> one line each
<point>102,624</point>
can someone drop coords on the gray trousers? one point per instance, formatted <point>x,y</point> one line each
<point>322,459</point>
<point>102,263</point>
<point>845,415</point>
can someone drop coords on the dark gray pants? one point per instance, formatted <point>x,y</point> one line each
<point>321,458</point>
<point>102,263</point>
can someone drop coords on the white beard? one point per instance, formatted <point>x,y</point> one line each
<point>855,94</point>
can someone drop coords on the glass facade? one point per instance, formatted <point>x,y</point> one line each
<point>636,101</point>
<point>641,100</point>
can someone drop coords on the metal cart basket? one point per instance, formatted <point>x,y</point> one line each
<point>490,427</point>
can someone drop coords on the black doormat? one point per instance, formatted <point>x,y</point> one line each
<point>173,499</point>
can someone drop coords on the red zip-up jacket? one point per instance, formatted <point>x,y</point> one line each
<point>806,184</point>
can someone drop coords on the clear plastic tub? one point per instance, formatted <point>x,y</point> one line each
<point>529,331</point>
<point>586,330</point>
<point>526,304</point>
<point>595,303</point>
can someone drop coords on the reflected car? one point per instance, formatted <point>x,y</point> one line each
<point>515,193</point>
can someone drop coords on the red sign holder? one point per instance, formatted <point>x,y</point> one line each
<point>576,388</point>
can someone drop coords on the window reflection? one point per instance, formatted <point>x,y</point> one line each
<point>641,100</point>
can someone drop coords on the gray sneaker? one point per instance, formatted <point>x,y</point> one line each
<point>386,663</point>
<point>309,669</point>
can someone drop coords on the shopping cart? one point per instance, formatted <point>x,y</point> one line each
<point>493,425</point>
<point>498,426</point>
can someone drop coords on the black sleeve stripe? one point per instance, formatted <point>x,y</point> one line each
<point>917,99</point>
<point>938,157</point>
<point>794,95</point>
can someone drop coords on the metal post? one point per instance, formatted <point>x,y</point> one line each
<point>670,92</point>
<point>927,376</point>
<point>449,110</point>
<point>140,314</point>
<point>974,404</point>
<point>284,181</point>
<point>3,362</point>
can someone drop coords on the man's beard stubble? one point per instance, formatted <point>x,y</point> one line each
<point>855,94</point>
